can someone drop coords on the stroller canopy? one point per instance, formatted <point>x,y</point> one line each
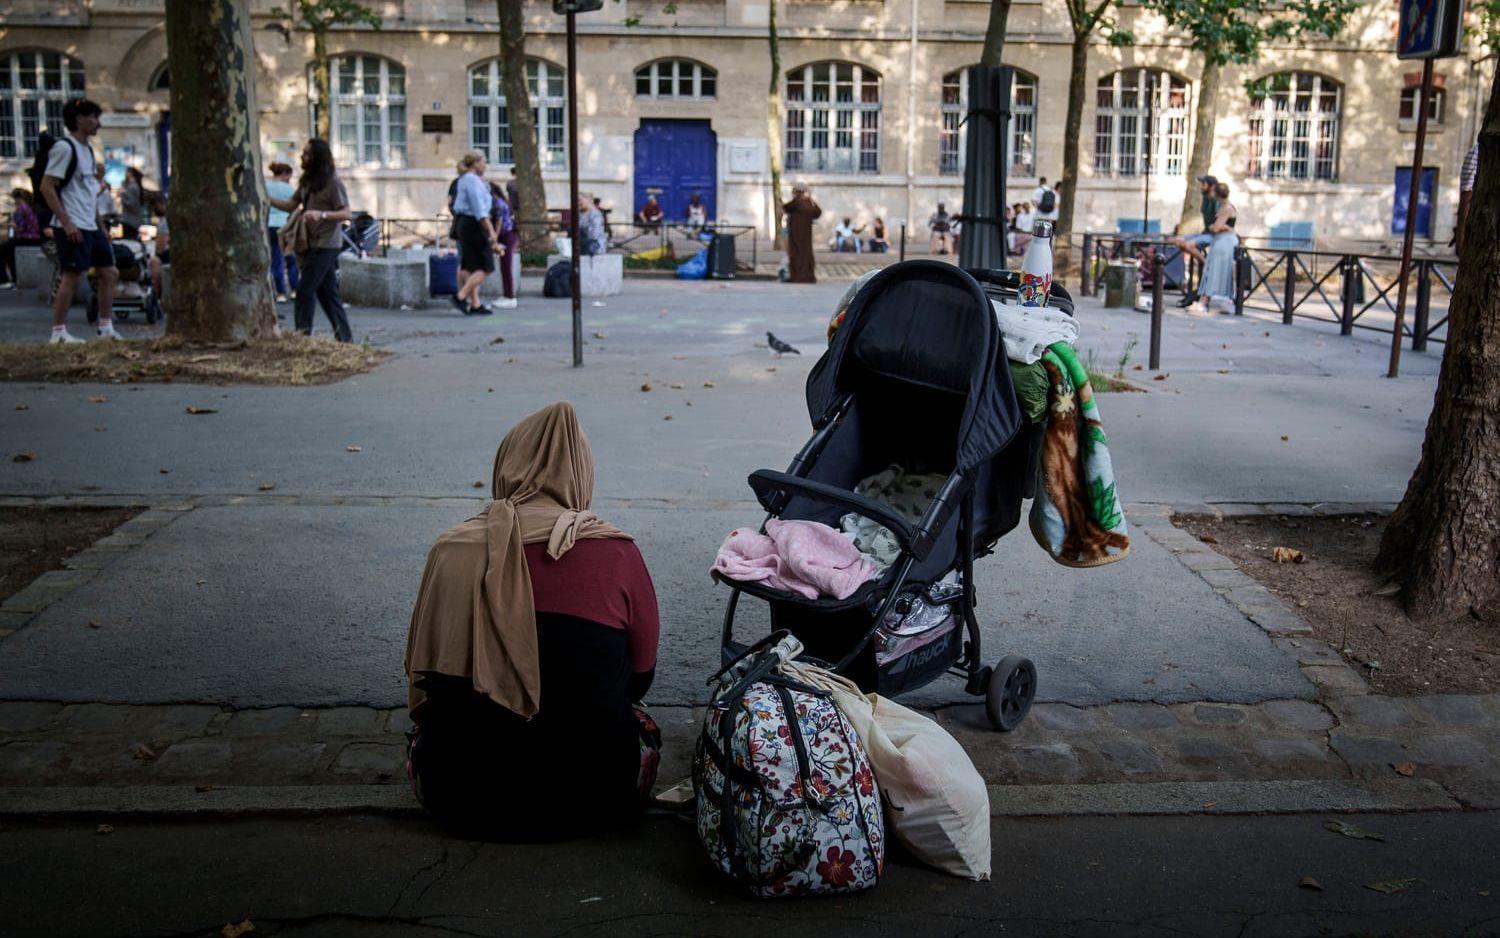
<point>928,324</point>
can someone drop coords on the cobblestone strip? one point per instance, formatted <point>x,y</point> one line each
<point>20,608</point>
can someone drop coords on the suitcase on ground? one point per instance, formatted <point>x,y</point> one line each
<point>442,274</point>
<point>559,280</point>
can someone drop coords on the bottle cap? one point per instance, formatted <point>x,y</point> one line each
<point>1041,229</point>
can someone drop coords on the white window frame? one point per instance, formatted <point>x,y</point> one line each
<point>674,72</point>
<point>952,131</point>
<point>1437,104</point>
<point>827,133</point>
<point>1120,131</point>
<point>377,118</point>
<point>489,120</point>
<point>25,112</point>
<point>1292,132</point>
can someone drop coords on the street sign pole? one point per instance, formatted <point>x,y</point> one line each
<point>577,258</point>
<point>1413,197</point>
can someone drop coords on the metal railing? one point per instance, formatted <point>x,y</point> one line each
<point>672,239</point>
<point>1325,286</point>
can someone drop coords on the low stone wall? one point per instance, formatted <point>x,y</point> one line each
<point>384,282</point>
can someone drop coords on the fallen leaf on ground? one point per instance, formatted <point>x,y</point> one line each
<point>235,931</point>
<point>201,410</point>
<point>200,789</point>
<point>27,456</point>
<point>351,448</point>
<point>142,752</point>
<point>200,359</point>
<point>675,386</point>
<point>1407,769</point>
<point>709,384</point>
<point>1208,539</point>
<point>267,486</point>
<point>1159,378</point>
<point>498,340</point>
<point>1284,438</point>
<point>104,829</point>
<point>772,368</point>
<point>1139,368</point>
<point>1265,333</point>
<point>100,429</point>
<point>1349,830</point>
<point>23,407</point>
<point>97,398</point>
<point>1307,882</point>
<point>492,390</point>
<point>645,387</point>
<point>201,582</point>
<point>95,624</point>
<point>1390,589</point>
<point>601,335</point>
<point>1287,555</point>
<point>679,358</point>
<point>667,417</point>
<point>1391,887</point>
<point>164,471</point>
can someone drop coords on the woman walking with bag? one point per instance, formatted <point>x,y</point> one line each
<point>313,234</point>
<point>472,229</point>
<point>283,266</point>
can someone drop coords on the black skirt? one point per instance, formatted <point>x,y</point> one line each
<point>474,246</point>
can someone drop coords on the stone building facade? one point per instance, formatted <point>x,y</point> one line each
<point>673,99</point>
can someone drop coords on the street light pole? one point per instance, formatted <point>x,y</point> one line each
<point>577,258</point>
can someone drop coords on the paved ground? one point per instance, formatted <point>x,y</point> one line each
<point>1057,877</point>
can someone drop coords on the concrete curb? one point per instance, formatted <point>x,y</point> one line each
<point>1138,799</point>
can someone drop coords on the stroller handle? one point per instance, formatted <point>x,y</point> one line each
<point>774,489</point>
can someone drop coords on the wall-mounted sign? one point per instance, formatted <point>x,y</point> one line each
<point>437,123</point>
<point>124,119</point>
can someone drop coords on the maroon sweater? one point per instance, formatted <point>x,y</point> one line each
<point>603,580</point>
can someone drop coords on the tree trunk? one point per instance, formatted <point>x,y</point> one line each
<point>1442,545</point>
<point>1077,89</point>
<point>221,285</point>
<point>994,34</point>
<point>531,193</point>
<point>1202,156</point>
<point>323,111</point>
<point>773,127</point>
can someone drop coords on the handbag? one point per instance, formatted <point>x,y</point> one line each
<point>294,235</point>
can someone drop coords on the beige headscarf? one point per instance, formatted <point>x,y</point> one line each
<point>475,615</point>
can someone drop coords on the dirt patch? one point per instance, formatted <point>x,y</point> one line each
<point>1335,590</point>
<point>292,359</point>
<point>35,540</point>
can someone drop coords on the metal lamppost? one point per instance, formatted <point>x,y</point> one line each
<point>570,8</point>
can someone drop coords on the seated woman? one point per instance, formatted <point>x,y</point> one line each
<point>534,633</point>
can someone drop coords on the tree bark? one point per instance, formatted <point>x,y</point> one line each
<point>221,286</point>
<point>1202,156</point>
<point>1077,89</point>
<point>1442,545</point>
<point>773,127</point>
<point>994,33</point>
<point>526,153</point>
<point>323,112</point>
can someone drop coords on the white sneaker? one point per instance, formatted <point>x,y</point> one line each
<point>503,303</point>
<point>108,332</point>
<point>64,338</point>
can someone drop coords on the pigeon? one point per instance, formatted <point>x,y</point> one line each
<point>778,346</point>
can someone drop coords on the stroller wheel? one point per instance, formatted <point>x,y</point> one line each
<point>1012,686</point>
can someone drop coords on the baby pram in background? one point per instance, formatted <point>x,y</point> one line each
<point>133,290</point>
<point>361,237</point>
<point>915,376</point>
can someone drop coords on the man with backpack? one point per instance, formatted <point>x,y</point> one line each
<point>64,175</point>
<point>1045,199</point>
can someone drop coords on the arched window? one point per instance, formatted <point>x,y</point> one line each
<point>1294,127</point>
<point>675,78</point>
<point>33,88</point>
<point>489,118</point>
<point>1021,160</point>
<point>833,118</point>
<point>161,79</point>
<point>1410,98</point>
<point>369,111</point>
<point>1122,131</point>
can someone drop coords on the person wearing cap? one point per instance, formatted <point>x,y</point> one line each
<point>1195,245</point>
<point>801,212</point>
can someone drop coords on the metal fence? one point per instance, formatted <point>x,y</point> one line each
<point>1325,286</point>
<point>668,239</point>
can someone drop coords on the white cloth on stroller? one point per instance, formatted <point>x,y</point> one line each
<point>909,495</point>
<point>1029,330</point>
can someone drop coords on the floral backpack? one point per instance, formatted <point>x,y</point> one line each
<point>787,802</point>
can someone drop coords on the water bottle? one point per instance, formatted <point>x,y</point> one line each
<point>1036,267</point>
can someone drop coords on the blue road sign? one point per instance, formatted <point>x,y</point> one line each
<point>1430,29</point>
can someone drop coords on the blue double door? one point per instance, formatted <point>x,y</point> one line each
<point>673,160</point>
<point>1424,201</point>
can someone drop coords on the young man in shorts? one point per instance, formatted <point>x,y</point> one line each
<point>71,190</point>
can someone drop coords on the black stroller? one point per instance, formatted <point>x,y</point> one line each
<point>916,375</point>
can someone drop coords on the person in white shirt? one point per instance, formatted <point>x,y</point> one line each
<point>846,236</point>
<point>1044,198</point>
<point>70,188</point>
